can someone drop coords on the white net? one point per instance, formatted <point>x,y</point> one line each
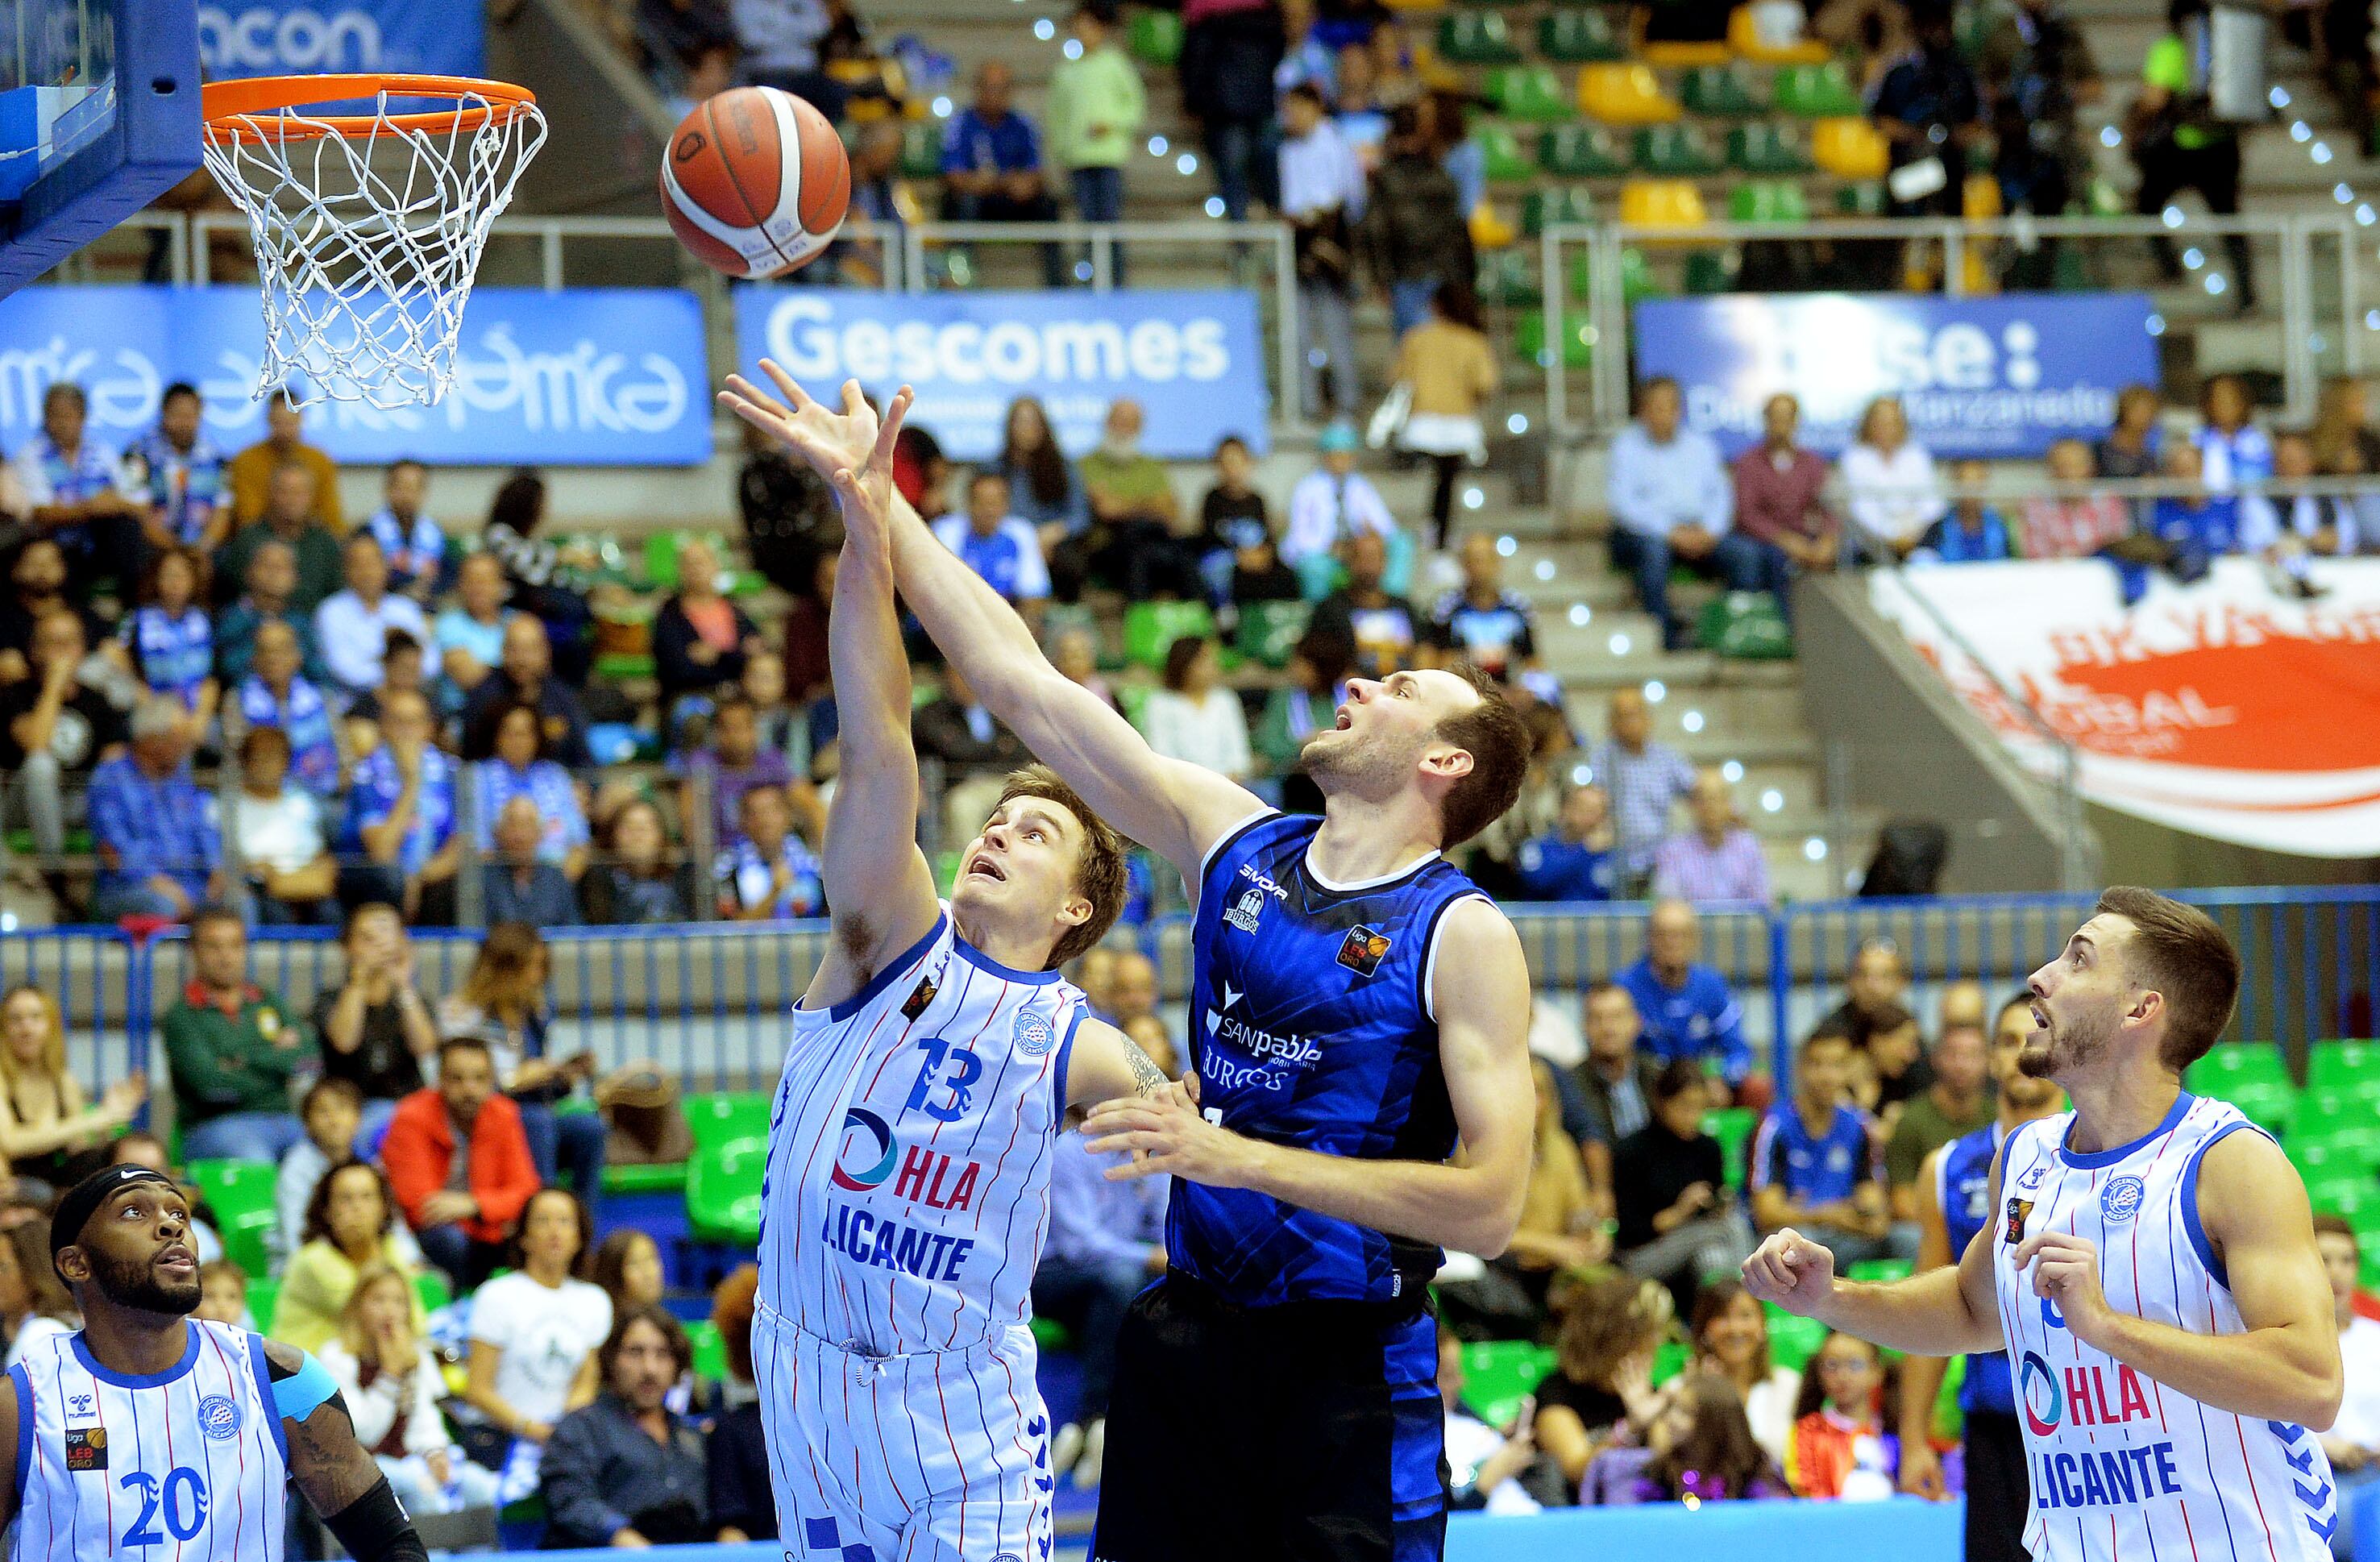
<point>367,233</point>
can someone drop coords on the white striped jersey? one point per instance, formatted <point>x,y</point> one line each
<point>909,1182</point>
<point>2121,1469</point>
<point>189,1465</point>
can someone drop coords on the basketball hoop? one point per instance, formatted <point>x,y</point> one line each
<point>368,228</point>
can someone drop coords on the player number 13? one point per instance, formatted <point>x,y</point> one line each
<point>952,1069</point>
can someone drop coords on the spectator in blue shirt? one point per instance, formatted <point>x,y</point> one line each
<point>1003,548</point>
<point>278,695</point>
<point>159,852</point>
<point>521,771</point>
<point>1687,1007</point>
<point>1106,1242</point>
<point>1973,532</point>
<point>401,816</point>
<point>1672,504</point>
<point>414,544</point>
<point>76,490</point>
<point>171,639</point>
<point>1574,862</point>
<point>181,473</point>
<point>991,165</point>
<point>519,885</point>
<point>1816,1167</point>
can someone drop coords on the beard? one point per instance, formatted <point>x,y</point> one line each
<point>2064,1046</point>
<point>1338,761</point>
<point>2029,1092</point>
<point>133,1284</point>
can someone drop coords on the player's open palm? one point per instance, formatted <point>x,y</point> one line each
<point>865,491</point>
<point>828,438</point>
<point>1790,1270</point>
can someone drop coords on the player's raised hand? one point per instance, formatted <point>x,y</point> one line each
<point>2065,1271</point>
<point>827,437</point>
<point>866,491</point>
<point>1792,1271</point>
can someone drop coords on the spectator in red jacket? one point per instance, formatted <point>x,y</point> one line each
<point>461,1215</point>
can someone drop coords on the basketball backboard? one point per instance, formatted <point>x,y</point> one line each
<point>99,116</point>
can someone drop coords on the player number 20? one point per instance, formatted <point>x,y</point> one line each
<point>182,1503</point>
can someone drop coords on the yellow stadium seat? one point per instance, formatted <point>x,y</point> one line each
<point>1489,229</point>
<point>1849,149</point>
<point>1979,197</point>
<point>1661,203</point>
<point>1744,38</point>
<point>1625,94</point>
<point>1673,56</point>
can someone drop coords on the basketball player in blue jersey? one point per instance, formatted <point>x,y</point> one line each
<point>2148,1267</point>
<point>1357,1005</point>
<point>149,1433</point>
<point>1954,1202</point>
<point>934,1059</point>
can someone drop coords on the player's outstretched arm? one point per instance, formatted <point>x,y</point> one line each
<point>1946,1311</point>
<point>879,890</point>
<point>2284,1366</point>
<point>1175,809</point>
<point>1481,996</point>
<point>1921,1377</point>
<point>339,1478</point>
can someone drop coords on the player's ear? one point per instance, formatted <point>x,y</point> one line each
<point>1076,911</point>
<point>74,1265</point>
<point>1447,760</point>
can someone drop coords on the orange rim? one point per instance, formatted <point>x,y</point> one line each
<point>250,109</point>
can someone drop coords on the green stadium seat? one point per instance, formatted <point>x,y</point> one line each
<point>1712,272</point>
<point>263,1297</point>
<point>1765,147</point>
<point>431,1286</point>
<point>1269,631</point>
<point>2270,1105</point>
<point>2234,1062</point>
<point>1154,38</point>
<point>1861,198</point>
<point>1477,38</point>
<point>1577,37</point>
<point>1150,629</point>
<point>1541,209</point>
<point>1509,279</point>
<point>2326,1111</point>
<point>1581,151</point>
<point>1498,1374</point>
<point>1731,1126</point>
<point>710,1351</point>
<point>723,1192</point>
<point>2366,1222</point>
<point>2349,1192</point>
<point>240,1194</point>
<point>1635,277</point>
<point>1767,201</point>
<point>921,149</point>
<point>1050,1335</point>
<point>1819,92</point>
<point>1879,1270</point>
<point>1792,1340</point>
<point>659,1178</point>
<point>1501,155</point>
<point>734,1114</point>
<point>2352,1066</point>
<point>1726,92</point>
<point>1531,92</point>
<point>1529,338</point>
<point>1670,1358</point>
<point>1674,152</point>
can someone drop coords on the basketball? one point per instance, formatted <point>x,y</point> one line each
<point>755,182</point>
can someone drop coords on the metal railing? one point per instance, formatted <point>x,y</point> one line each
<point>707,1000</point>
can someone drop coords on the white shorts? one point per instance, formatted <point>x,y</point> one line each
<point>936,1456</point>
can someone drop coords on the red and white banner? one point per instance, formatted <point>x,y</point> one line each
<point>2221,709</point>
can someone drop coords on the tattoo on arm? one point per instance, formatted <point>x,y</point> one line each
<point>1147,1077</point>
<point>325,1460</point>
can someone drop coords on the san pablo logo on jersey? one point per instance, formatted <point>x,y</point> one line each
<point>1268,1048</point>
<point>2121,1200</point>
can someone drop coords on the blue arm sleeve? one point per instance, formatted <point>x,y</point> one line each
<point>304,1391</point>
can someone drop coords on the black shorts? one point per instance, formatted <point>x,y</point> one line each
<point>1310,1431</point>
<point>2000,1496</point>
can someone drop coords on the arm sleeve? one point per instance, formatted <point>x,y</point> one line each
<point>570,1475</point>
<point>298,1395</point>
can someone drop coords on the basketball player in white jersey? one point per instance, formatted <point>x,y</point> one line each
<point>934,1059</point>
<point>152,1435</point>
<point>2149,1267</point>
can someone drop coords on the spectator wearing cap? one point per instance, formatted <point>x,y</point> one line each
<point>352,626</point>
<point>1672,504</point>
<point>159,852</point>
<point>1718,859</point>
<point>1687,1007</point>
<point>1330,504</point>
<point>1644,779</point>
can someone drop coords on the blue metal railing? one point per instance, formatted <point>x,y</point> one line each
<point>706,1000</point>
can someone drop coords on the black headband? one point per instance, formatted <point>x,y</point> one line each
<point>85,1199</point>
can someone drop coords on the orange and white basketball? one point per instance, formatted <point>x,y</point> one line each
<point>755,182</point>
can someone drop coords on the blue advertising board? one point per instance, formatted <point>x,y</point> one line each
<point>322,37</point>
<point>589,375</point>
<point>1985,377</point>
<point>1193,361</point>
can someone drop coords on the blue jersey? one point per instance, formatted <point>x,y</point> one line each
<point>1551,868</point>
<point>1310,1026</point>
<point>175,652</point>
<point>1699,1019</point>
<point>1963,1183</point>
<point>1814,1169</point>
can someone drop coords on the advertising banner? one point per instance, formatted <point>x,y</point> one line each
<point>2005,376</point>
<point>326,37</point>
<point>1194,359</point>
<point>2218,708</point>
<point>589,376</point>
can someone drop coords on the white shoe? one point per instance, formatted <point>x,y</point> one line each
<point>1065,1449</point>
<point>1095,1454</point>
